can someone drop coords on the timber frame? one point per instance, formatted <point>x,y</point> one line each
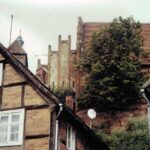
<point>49,97</point>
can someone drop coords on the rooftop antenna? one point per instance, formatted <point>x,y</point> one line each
<point>20,33</point>
<point>11,29</point>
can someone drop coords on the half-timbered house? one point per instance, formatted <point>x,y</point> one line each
<point>31,116</point>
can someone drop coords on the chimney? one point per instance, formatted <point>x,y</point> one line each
<point>70,101</point>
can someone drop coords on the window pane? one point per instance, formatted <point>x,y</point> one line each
<point>3,133</point>
<point>14,133</point>
<point>4,120</point>
<point>3,129</point>
<point>14,137</point>
<point>15,118</point>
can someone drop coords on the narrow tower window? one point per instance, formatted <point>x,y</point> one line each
<point>73,84</point>
<point>53,84</point>
<point>63,84</point>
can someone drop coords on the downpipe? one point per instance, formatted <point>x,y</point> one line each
<point>57,126</point>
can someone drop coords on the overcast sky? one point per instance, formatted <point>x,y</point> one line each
<point>41,21</point>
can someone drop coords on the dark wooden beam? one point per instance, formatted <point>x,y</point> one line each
<point>145,65</point>
<point>16,84</point>
<point>22,95</point>
<point>36,107</point>
<point>36,136</point>
<point>2,85</point>
<point>27,107</point>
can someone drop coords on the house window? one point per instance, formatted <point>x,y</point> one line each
<point>11,127</point>
<point>71,138</point>
<point>1,73</point>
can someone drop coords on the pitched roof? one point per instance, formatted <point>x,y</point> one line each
<point>67,113</point>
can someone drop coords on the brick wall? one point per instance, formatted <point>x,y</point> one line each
<point>11,97</point>
<point>18,94</point>
<point>11,75</point>
<point>37,122</point>
<point>117,119</point>
<point>37,144</point>
<point>31,97</point>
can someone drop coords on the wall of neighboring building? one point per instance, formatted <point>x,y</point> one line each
<point>72,70</point>
<point>78,139</point>
<point>41,72</point>
<point>115,120</point>
<point>64,50</point>
<point>17,94</point>
<point>84,33</point>
<point>61,72</point>
<point>61,67</point>
<point>52,69</point>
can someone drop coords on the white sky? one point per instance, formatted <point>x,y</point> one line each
<point>41,21</point>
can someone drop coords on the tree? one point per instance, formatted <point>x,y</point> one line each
<point>112,66</point>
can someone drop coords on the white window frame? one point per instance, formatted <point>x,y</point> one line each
<point>9,113</point>
<point>1,73</point>
<point>71,138</point>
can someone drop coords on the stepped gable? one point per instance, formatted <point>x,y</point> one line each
<point>88,28</point>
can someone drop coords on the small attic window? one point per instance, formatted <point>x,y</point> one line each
<point>1,73</point>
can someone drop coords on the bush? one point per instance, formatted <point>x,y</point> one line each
<point>135,137</point>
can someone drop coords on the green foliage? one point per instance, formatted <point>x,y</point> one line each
<point>135,137</point>
<point>113,67</point>
<point>62,93</point>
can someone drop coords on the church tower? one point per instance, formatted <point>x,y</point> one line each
<point>59,65</point>
<point>16,48</point>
